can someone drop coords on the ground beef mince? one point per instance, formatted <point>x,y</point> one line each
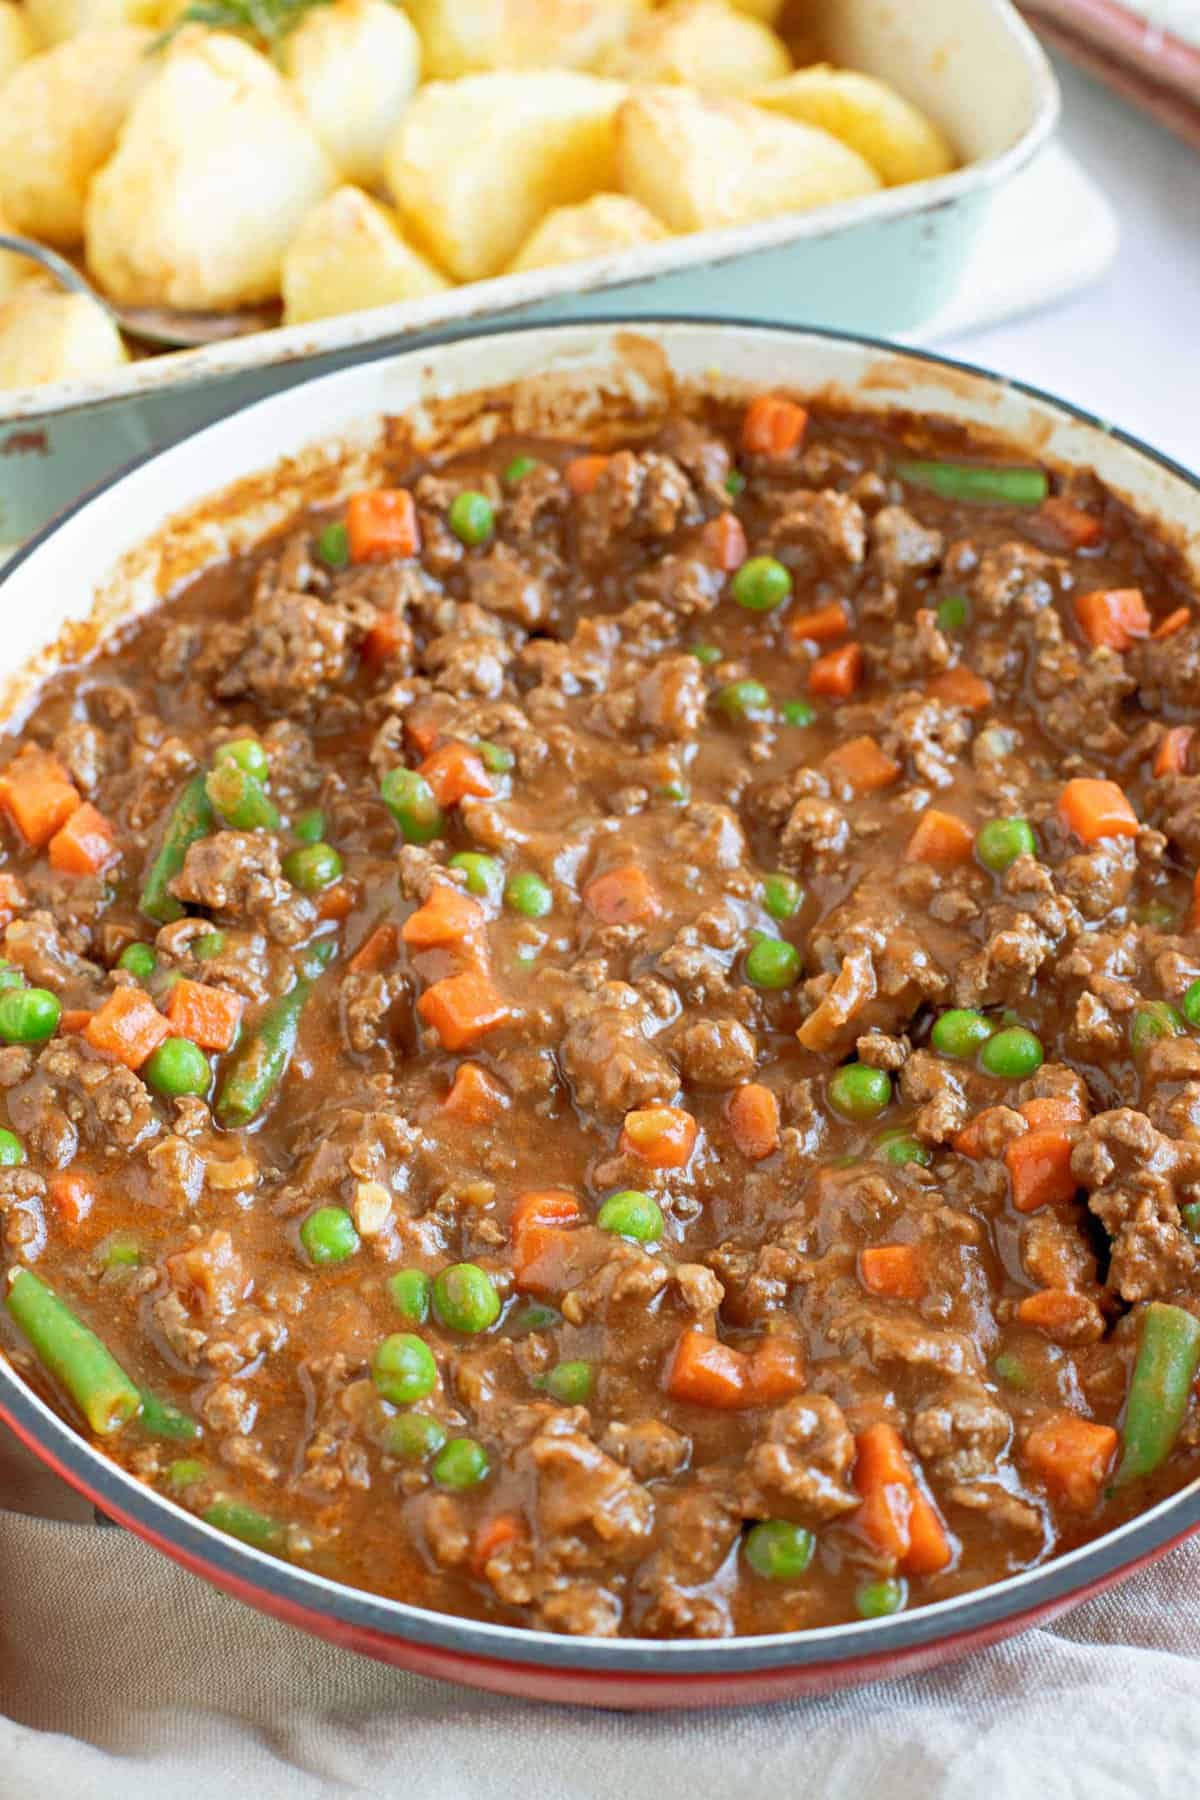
<point>606,1041</point>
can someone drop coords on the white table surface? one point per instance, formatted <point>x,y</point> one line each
<point>1129,347</point>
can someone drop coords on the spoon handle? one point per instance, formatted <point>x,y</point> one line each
<point>63,272</point>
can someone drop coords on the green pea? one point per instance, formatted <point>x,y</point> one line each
<point>518,469</point>
<point>309,828</point>
<point>240,798</point>
<point>953,612</point>
<point>186,1471</point>
<point>631,1214</point>
<point>960,1032</point>
<point>484,874</point>
<point>120,1250</point>
<point>462,1463</point>
<point>899,1148</point>
<point>772,963</point>
<point>10,975</point>
<point>497,759</point>
<point>534,1317</point>
<point>471,517</point>
<point>735,483</point>
<point>12,1150</point>
<point>797,712</point>
<point>778,1550</point>
<point>782,897</point>
<point>28,1015</point>
<point>1155,912</point>
<point>743,700</point>
<point>1191,1004</point>
<point>211,944</point>
<point>880,1599</point>
<point>570,1382</point>
<point>247,754</point>
<point>860,1092</point>
<point>333,545</point>
<point>1153,1020</point>
<point>528,895</point>
<point>329,1236</point>
<point>677,792</point>
<point>465,1298</point>
<point>999,843</point>
<point>412,1436</point>
<point>1012,1054</point>
<point>1011,1371</point>
<point>312,867</point>
<point>1190,1214</point>
<point>178,1067</point>
<point>403,1368</point>
<point>707,654</point>
<point>409,799</point>
<point>409,1290</point>
<point>761,584</point>
<point>138,960</point>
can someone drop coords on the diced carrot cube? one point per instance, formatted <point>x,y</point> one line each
<point>863,766</point>
<point>544,1206</point>
<point>824,625</point>
<point>896,1515</point>
<point>339,901</point>
<point>1172,756</point>
<point>753,1114</point>
<point>970,1140</point>
<point>723,542</point>
<point>892,1270</point>
<point>377,950</point>
<point>455,772</point>
<point>703,1371</point>
<point>775,1371</point>
<point>462,1008</point>
<point>71,1197</point>
<point>837,674</point>
<point>73,1020</point>
<point>1115,617</point>
<point>128,1027</point>
<point>474,1096</point>
<point>38,794</point>
<point>210,1016</point>
<point>1059,1312</point>
<point>1096,809</point>
<point>623,896</point>
<point>421,728</point>
<point>1039,1168</point>
<point>1071,1457</point>
<point>490,1539</point>
<point>84,845</point>
<point>382,523</point>
<point>1070,526</point>
<point>941,839</point>
<point>446,917</point>
<point>1174,621</point>
<point>961,686</point>
<point>385,638</point>
<point>583,472</point>
<point>663,1136</point>
<point>1052,1109</point>
<point>773,426</point>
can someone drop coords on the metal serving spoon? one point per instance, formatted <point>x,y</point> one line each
<point>159,325</point>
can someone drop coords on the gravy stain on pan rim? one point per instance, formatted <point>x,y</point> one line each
<point>884,376</point>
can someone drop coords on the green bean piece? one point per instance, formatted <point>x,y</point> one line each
<point>241,799</point>
<point>309,828</point>
<point>880,1599</point>
<point>1190,1214</point>
<point>190,819</point>
<point>316,957</point>
<point>119,1250</point>
<point>12,1150</point>
<point>1008,486</point>
<point>797,712</point>
<point>899,1148</point>
<point>186,1471</point>
<point>1191,1004</point>
<point>518,469</point>
<point>160,1419</point>
<point>570,1382</point>
<point>412,1436</point>
<point>859,1092</point>
<point>1153,1020</point>
<point>208,945</point>
<point>73,1354</point>
<point>245,1522</point>
<point>410,800</point>
<point>462,1463</point>
<point>533,1317</point>
<point>10,975</point>
<point>28,1015</point>
<point>1157,913</point>
<point>1012,1054</point>
<point>953,612</point>
<point>735,483</point>
<point>409,1291</point>
<point>138,960</point>
<point>333,545</point>
<point>246,754</point>
<point>261,1060</point>
<point>1159,1390</point>
<point>778,1550</point>
<point>497,759</point>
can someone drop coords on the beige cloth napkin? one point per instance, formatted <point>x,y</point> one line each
<point>124,1678</point>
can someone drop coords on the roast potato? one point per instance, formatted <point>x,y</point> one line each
<point>214,172</point>
<point>59,118</point>
<point>699,162</point>
<point>48,335</point>
<point>900,142</point>
<point>464,37</point>
<point>572,233</point>
<point>54,21</point>
<point>476,163</point>
<point>355,66</point>
<point>17,42</point>
<point>348,253</point>
<point>702,44</point>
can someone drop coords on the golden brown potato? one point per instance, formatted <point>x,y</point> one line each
<point>59,120</point>
<point>348,254</point>
<point>702,44</point>
<point>48,335</point>
<point>699,162</point>
<point>766,10</point>
<point>355,66</point>
<point>464,37</point>
<point>54,21</point>
<point>476,163</point>
<point>214,173</point>
<point>594,227</point>
<point>899,141</point>
<point>17,41</point>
